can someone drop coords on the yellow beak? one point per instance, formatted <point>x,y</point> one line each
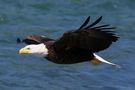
<point>24,51</point>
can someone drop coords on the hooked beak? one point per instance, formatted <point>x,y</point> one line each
<point>24,51</point>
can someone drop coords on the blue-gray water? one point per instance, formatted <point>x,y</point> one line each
<point>19,18</point>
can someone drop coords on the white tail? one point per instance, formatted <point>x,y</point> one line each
<point>104,61</point>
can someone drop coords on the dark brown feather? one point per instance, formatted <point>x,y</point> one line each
<point>35,39</point>
<point>69,55</point>
<point>90,38</point>
<point>94,23</point>
<point>85,23</point>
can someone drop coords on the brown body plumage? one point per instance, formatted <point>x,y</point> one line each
<point>77,45</point>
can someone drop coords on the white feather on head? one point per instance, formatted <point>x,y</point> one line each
<point>38,49</point>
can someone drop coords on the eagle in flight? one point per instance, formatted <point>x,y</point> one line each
<point>74,46</point>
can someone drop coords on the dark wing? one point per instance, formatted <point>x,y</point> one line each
<point>88,37</point>
<point>34,39</point>
<point>85,23</point>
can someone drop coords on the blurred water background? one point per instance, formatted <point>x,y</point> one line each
<point>19,18</point>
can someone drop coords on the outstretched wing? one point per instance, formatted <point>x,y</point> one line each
<point>34,39</point>
<point>88,37</point>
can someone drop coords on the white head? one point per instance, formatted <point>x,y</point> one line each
<point>38,49</point>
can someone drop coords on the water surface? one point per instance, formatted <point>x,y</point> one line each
<point>19,18</point>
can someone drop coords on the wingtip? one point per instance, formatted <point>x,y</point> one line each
<point>94,23</point>
<point>85,23</point>
<point>101,17</point>
<point>18,40</point>
<point>88,17</point>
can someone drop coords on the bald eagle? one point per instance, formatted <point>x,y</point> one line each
<point>74,46</point>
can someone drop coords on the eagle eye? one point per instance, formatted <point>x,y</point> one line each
<point>28,48</point>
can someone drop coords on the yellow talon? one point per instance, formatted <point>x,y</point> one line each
<point>95,61</point>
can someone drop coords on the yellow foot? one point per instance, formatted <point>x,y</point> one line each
<point>95,61</point>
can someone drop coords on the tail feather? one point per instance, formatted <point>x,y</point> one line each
<point>98,60</point>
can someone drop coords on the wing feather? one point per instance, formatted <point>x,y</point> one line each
<point>34,39</point>
<point>94,23</point>
<point>85,23</point>
<point>93,39</point>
